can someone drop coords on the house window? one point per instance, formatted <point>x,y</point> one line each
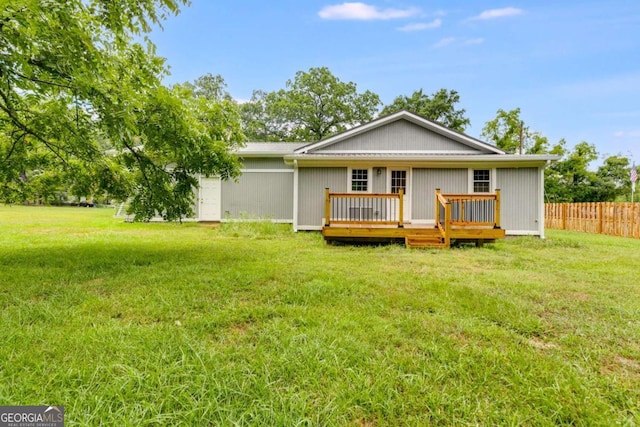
<point>481,181</point>
<point>398,181</point>
<point>359,179</point>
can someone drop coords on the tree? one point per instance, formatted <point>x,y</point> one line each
<point>506,129</point>
<point>314,105</point>
<point>570,180</point>
<point>261,121</point>
<point>211,87</point>
<point>440,107</point>
<point>616,170</point>
<point>71,76</point>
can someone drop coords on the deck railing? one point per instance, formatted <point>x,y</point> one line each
<point>363,208</point>
<point>468,209</point>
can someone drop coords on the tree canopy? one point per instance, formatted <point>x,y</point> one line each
<point>314,105</point>
<point>439,107</point>
<point>506,130</point>
<point>74,83</point>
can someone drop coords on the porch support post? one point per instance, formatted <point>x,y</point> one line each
<point>401,210</point>
<point>497,208</point>
<point>327,207</point>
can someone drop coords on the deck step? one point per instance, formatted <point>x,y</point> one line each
<point>419,241</point>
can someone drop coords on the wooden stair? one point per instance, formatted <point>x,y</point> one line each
<point>422,241</point>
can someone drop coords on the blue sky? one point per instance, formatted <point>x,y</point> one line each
<point>573,67</point>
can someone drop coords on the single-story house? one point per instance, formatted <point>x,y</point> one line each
<point>403,155</point>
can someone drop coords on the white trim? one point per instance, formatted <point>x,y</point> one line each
<point>522,233</point>
<point>408,189</point>
<point>369,180</point>
<point>295,196</point>
<point>453,152</point>
<point>266,170</point>
<point>440,160</point>
<point>541,219</point>
<point>492,179</point>
<point>309,228</point>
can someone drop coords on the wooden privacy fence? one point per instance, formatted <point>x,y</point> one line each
<point>616,219</point>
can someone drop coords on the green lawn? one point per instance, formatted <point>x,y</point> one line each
<point>182,324</point>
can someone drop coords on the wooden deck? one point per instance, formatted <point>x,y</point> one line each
<point>411,235</point>
<point>459,218</point>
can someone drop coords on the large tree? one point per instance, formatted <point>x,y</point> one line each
<point>570,179</point>
<point>72,75</point>
<point>439,107</point>
<point>615,171</point>
<point>507,130</point>
<point>314,105</point>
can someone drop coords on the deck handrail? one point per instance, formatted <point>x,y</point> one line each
<point>443,217</point>
<point>471,209</point>
<point>364,208</point>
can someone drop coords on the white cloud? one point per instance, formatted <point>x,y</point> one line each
<point>452,41</point>
<point>627,134</point>
<point>471,42</point>
<point>363,12</point>
<point>497,13</point>
<point>443,42</point>
<point>420,26</point>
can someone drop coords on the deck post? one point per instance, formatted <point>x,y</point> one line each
<point>327,207</point>
<point>497,209</point>
<point>447,224</point>
<point>437,204</point>
<point>401,210</point>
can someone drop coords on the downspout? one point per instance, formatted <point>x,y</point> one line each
<point>541,198</point>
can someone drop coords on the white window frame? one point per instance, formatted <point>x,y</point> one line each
<point>492,180</point>
<point>369,182</point>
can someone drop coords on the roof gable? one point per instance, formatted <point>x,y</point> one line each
<point>402,132</point>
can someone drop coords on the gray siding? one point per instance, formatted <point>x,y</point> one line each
<point>402,136</point>
<point>264,163</point>
<point>311,185</point>
<point>425,182</point>
<point>379,182</point>
<point>520,198</point>
<point>259,195</point>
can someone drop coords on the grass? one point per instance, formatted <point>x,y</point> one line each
<point>250,324</point>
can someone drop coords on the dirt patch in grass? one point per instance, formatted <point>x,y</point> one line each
<point>540,344</point>
<point>579,296</point>
<point>620,365</point>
